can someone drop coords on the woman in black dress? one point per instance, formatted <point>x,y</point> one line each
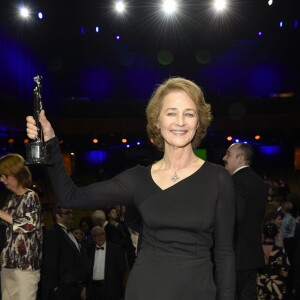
<point>186,204</point>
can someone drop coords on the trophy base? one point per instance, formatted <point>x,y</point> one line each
<point>38,154</point>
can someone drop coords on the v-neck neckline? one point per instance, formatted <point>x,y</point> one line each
<point>176,183</point>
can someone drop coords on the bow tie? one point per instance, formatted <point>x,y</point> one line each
<point>99,248</point>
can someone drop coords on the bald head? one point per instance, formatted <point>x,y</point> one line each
<point>237,155</point>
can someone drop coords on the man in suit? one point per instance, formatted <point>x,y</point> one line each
<point>251,197</point>
<point>64,264</point>
<point>108,266</point>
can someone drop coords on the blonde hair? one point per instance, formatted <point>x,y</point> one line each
<point>14,165</point>
<point>155,105</point>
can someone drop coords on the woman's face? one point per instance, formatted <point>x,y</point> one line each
<point>78,234</point>
<point>277,221</point>
<point>113,214</point>
<point>178,119</point>
<point>10,182</point>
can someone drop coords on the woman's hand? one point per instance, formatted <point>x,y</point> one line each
<point>32,130</point>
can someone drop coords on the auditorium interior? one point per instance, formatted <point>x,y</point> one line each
<point>100,68</point>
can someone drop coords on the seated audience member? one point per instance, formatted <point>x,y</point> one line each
<point>108,267</point>
<point>271,278</point>
<point>276,203</point>
<point>296,263</point>
<point>287,228</point>
<point>283,189</point>
<point>275,218</point>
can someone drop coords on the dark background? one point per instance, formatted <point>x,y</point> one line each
<point>97,86</point>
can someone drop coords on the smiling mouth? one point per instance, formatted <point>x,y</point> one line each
<point>179,131</point>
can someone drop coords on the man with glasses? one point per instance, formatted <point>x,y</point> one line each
<point>64,264</point>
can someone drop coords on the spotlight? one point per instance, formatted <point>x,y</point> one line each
<point>24,12</point>
<point>220,5</point>
<point>120,6</point>
<point>169,7</point>
<point>40,15</point>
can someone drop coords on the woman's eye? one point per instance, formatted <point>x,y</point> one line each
<point>170,114</point>
<point>190,115</point>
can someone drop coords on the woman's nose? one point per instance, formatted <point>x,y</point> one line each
<point>180,120</point>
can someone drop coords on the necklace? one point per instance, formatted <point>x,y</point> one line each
<point>174,177</point>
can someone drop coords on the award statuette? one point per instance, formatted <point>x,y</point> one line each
<point>38,152</point>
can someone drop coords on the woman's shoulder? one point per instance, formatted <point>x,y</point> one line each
<point>133,172</point>
<point>215,168</point>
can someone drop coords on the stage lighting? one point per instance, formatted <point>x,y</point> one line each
<point>24,12</point>
<point>40,15</point>
<point>120,6</point>
<point>169,7</point>
<point>220,5</point>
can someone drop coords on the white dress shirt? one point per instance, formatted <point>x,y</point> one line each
<point>99,263</point>
<point>70,235</point>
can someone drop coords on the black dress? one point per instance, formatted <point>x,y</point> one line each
<point>181,225</point>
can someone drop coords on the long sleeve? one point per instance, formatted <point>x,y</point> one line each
<point>100,194</point>
<point>27,217</point>
<point>224,228</point>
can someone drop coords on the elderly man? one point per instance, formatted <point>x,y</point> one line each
<point>108,266</point>
<point>251,197</point>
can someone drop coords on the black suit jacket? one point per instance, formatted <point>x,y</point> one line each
<point>62,262</point>
<point>251,197</point>
<point>114,269</point>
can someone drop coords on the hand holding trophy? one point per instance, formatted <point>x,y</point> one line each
<point>38,152</point>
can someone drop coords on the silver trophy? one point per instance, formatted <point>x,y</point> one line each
<point>38,152</point>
